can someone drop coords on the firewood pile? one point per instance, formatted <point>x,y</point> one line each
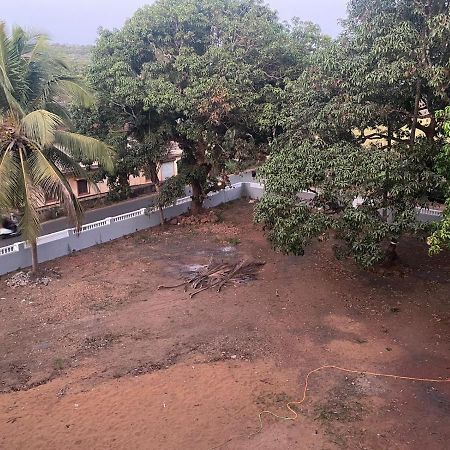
<point>218,275</point>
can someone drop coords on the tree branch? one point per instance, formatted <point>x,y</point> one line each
<point>379,136</point>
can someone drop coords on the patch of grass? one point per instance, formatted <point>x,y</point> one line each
<point>342,411</point>
<point>343,404</point>
<point>100,342</point>
<point>143,239</point>
<point>58,364</point>
<point>100,306</point>
<point>274,400</point>
<point>234,241</point>
<point>224,207</point>
<point>220,216</point>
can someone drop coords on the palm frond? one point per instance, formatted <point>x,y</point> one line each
<point>65,163</point>
<point>60,63</point>
<point>60,111</point>
<point>59,87</point>
<point>18,38</point>
<point>11,79</point>
<point>6,87</point>
<point>44,69</point>
<point>8,101</point>
<point>37,78</point>
<point>40,126</point>
<point>30,200</point>
<point>4,50</point>
<point>68,165</point>
<point>38,47</point>
<point>75,89</point>
<point>49,178</point>
<point>10,176</point>
<point>84,147</point>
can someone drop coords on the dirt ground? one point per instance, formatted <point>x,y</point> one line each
<point>99,358</point>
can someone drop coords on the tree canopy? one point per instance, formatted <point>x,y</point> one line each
<point>361,132</point>
<point>208,74</point>
<point>440,239</point>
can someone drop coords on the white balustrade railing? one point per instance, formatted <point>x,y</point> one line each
<point>183,200</point>
<point>430,212</point>
<point>9,249</point>
<point>127,216</point>
<point>94,225</point>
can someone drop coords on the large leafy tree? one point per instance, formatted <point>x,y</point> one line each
<point>208,74</point>
<point>355,136</point>
<point>141,144</point>
<point>440,239</point>
<point>37,147</point>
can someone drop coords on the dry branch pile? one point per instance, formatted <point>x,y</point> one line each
<point>218,275</point>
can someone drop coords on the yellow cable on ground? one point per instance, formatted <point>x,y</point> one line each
<point>305,389</point>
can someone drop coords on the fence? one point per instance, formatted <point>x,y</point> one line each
<point>429,215</point>
<point>61,243</point>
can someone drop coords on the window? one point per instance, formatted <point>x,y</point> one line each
<point>167,170</point>
<point>50,197</point>
<point>82,186</point>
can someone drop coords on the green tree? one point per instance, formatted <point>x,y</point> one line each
<point>440,239</point>
<point>208,74</point>
<point>141,145</point>
<point>36,146</point>
<point>355,139</point>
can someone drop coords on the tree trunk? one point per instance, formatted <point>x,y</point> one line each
<point>391,254</point>
<point>386,179</point>
<point>385,198</point>
<point>153,172</point>
<point>34,258</point>
<point>203,166</point>
<point>412,139</point>
<point>160,208</point>
<point>430,131</point>
<point>197,197</point>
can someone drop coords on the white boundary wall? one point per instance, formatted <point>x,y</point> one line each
<point>61,243</point>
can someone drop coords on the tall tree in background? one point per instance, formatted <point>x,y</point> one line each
<point>36,148</point>
<point>208,74</point>
<point>440,239</point>
<point>355,138</point>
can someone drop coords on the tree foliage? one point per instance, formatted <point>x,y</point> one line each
<point>440,239</point>
<point>208,74</point>
<point>353,134</point>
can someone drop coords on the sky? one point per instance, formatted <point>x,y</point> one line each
<point>77,21</point>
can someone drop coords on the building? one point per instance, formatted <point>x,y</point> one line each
<point>85,191</point>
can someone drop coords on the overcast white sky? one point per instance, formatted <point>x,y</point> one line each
<point>77,21</point>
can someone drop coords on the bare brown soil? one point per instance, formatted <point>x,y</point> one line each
<point>100,359</point>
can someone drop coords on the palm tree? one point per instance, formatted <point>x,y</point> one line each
<point>36,147</point>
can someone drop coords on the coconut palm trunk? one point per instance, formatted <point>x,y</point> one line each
<point>34,257</point>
